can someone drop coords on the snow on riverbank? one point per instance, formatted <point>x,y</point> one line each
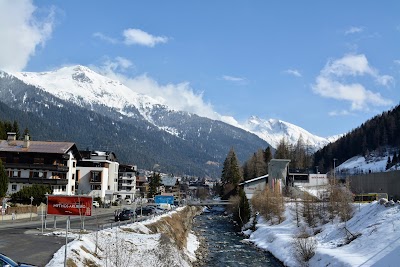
<point>130,245</point>
<point>378,244</point>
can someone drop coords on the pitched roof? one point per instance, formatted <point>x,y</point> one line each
<point>168,181</point>
<point>254,179</point>
<point>36,147</point>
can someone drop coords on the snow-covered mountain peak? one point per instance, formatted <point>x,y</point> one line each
<point>273,130</point>
<point>83,86</point>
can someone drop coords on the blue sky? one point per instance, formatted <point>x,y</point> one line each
<point>326,66</point>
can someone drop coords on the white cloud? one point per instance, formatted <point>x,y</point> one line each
<point>332,83</point>
<point>139,37</point>
<point>352,30</point>
<point>396,61</point>
<point>233,79</point>
<point>119,64</point>
<point>106,38</point>
<point>339,113</point>
<point>176,96</point>
<point>293,72</point>
<point>21,32</point>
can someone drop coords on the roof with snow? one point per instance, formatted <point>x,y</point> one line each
<point>254,179</point>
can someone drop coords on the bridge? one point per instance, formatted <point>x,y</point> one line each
<point>210,202</point>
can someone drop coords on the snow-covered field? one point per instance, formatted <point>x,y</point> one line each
<point>378,243</point>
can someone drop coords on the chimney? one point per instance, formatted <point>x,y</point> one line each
<point>26,141</point>
<point>11,136</point>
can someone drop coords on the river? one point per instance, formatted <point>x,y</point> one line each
<point>227,248</point>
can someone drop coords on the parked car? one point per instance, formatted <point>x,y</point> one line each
<point>146,211</point>
<point>96,204</point>
<point>6,261</point>
<point>126,214</point>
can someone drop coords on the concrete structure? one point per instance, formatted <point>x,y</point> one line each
<point>98,175</point>
<point>277,170</point>
<point>253,186</point>
<point>37,162</point>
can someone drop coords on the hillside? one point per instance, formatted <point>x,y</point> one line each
<point>377,243</point>
<point>379,134</point>
<point>178,142</point>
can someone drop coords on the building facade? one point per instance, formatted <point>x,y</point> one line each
<point>37,162</point>
<point>97,174</point>
<point>127,182</point>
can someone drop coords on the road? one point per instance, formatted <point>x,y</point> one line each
<point>22,240</point>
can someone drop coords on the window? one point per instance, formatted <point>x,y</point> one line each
<point>74,164</point>
<point>73,176</point>
<point>96,177</point>
<point>63,188</point>
<point>96,187</point>
<point>16,174</point>
<point>14,187</point>
<point>38,174</point>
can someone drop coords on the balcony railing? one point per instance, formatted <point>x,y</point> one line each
<point>37,180</point>
<point>45,167</point>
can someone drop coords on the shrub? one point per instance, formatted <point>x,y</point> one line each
<point>304,247</point>
<point>269,204</point>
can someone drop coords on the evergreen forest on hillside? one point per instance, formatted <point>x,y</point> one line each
<point>379,135</point>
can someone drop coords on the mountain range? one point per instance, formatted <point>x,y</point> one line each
<point>77,104</point>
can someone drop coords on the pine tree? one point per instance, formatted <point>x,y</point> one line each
<point>231,175</point>
<point>155,183</point>
<point>267,156</point>
<point>282,151</point>
<point>388,163</point>
<point>395,159</point>
<point>3,180</point>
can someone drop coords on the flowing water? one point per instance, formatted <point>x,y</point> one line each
<point>225,246</point>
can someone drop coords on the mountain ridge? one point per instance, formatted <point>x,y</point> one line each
<point>195,142</point>
<point>68,83</point>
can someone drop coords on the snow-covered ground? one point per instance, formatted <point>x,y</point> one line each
<point>360,164</point>
<point>377,227</point>
<point>130,245</point>
<point>378,243</point>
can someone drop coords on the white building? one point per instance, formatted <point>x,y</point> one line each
<point>311,180</point>
<point>98,175</point>
<point>127,182</point>
<point>253,186</point>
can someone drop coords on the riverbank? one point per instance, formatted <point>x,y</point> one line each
<point>375,227</point>
<point>160,241</point>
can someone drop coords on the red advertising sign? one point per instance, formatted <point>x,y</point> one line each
<point>69,205</point>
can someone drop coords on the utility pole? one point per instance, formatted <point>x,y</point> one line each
<point>334,168</point>
<point>31,206</point>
